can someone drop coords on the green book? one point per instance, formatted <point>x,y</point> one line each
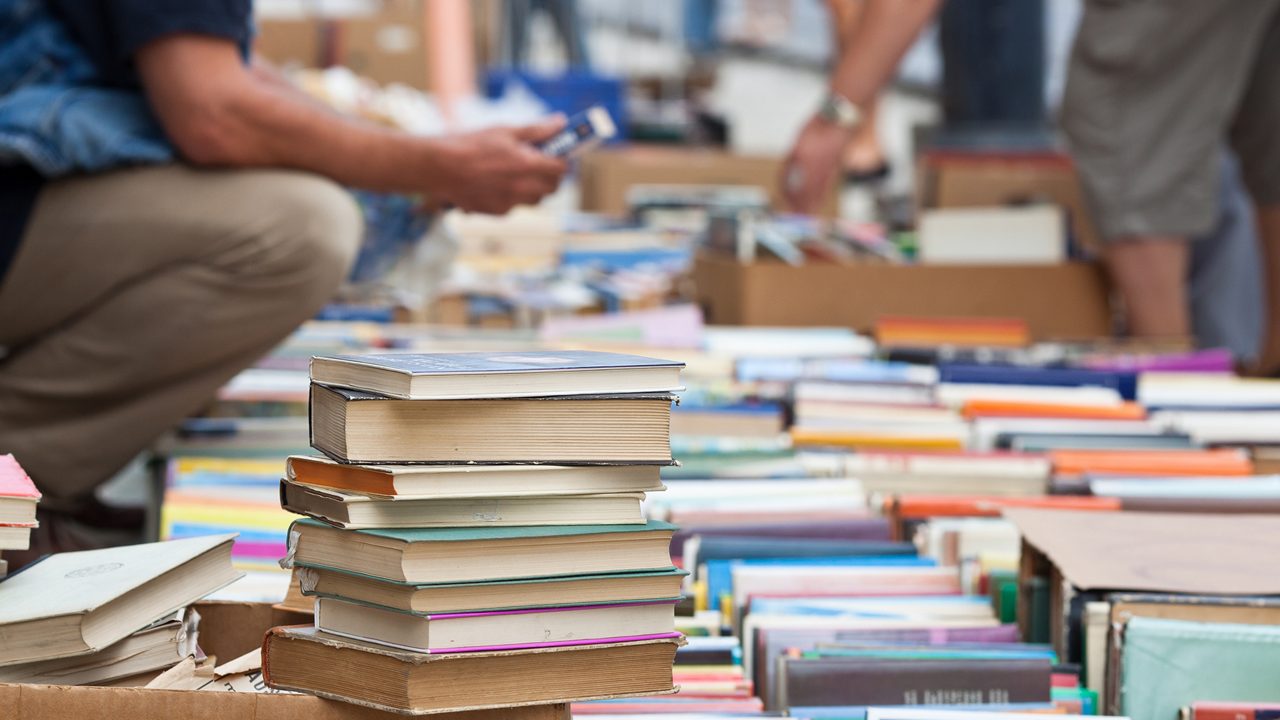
<point>428,598</point>
<point>1168,664</point>
<point>455,555</point>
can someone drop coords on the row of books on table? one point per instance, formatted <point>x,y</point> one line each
<point>832,558</point>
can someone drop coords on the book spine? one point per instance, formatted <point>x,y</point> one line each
<point>1232,711</point>
<point>810,683</point>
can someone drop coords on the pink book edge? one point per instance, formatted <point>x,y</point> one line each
<point>529,611</point>
<point>14,481</point>
<point>557,643</point>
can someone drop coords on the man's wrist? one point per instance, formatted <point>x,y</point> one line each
<point>839,111</point>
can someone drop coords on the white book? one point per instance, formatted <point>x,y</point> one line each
<point>1032,235</point>
<point>155,647</point>
<point>956,394</point>
<point>943,474</point>
<point>904,394</point>
<point>1169,390</point>
<point>1249,488</point>
<point>808,342</point>
<point>820,580</point>
<point>495,630</point>
<point>352,510</point>
<point>15,537</point>
<point>81,602</point>
<point>986,431</point>
<point>816,412</point>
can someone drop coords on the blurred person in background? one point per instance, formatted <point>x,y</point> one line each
<point>864,159</point>
<point>169,211</point>
<point>1155,89</point>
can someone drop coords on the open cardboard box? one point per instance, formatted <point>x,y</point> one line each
<point>227,630</point>
<point>605,176</point>
<point>1058,302</point>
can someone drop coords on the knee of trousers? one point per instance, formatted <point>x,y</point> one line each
<point>315,230</point>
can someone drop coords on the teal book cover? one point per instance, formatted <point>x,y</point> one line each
<point>1169,664</point>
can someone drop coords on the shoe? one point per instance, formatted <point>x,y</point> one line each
<point>868,176</point>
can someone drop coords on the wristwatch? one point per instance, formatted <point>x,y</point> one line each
<point>840,111</point>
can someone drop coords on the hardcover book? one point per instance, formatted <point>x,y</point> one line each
<point>160,645</point>
<point>358,427</point>
<point>497,595</point>
<point>455,376</point>
<point>474,481</point>
<point>482,631</point>
<point>307,660</point>
<point>444,555</point>
<point>81,602</point>
<point>18,496</point>
<point>353,511</point>
<point>881,681</point>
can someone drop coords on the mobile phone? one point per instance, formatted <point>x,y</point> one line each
<point>583,131</point>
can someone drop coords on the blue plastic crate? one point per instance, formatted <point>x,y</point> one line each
<point>570,92</point>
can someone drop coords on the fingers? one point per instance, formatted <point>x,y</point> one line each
<point>541,130</point>
<point>537,163</point>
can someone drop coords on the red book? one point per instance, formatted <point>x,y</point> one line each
<point>18,495</point>
<point>1234,711</point>
<point>1064,680</point>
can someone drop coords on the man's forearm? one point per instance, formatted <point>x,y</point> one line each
<point>268,125</point>
<point>884,33</point>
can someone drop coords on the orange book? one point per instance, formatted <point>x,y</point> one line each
<point>927,332</point>
<point>868,440</point>
<point>1019,409</point>
<point>927,506</point>
<point>1226,462</point>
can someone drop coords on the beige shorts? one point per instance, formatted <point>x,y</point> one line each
<point>1156,89</point>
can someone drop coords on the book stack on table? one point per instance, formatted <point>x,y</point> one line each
<point>475,537</point>
<point>18,499</point>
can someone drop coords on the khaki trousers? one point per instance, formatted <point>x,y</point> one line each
<point>136,294</point>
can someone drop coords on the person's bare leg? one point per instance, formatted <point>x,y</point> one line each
<point>1150,275</point>
<point>864,153</point>
<point>1269,233</point>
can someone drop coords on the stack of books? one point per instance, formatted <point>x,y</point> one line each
<point>475,537</point>
<point>18,499</point>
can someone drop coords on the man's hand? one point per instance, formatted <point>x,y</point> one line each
<point>811,166</point>
<point>218,113</point>
<point>492,171</point>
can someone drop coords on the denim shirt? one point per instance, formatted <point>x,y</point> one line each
<point>55,113</point>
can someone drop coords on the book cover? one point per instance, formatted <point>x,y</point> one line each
<point>766,645</point>
<point>423,683</point>
<point>1167,664</point>
<point>869,528</point>
<point>457,431</point>
<point>77,582</point>
<point>1122,381</point>
<point>550,635</point>
<point>854,681</point>
<point>486,363</point>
